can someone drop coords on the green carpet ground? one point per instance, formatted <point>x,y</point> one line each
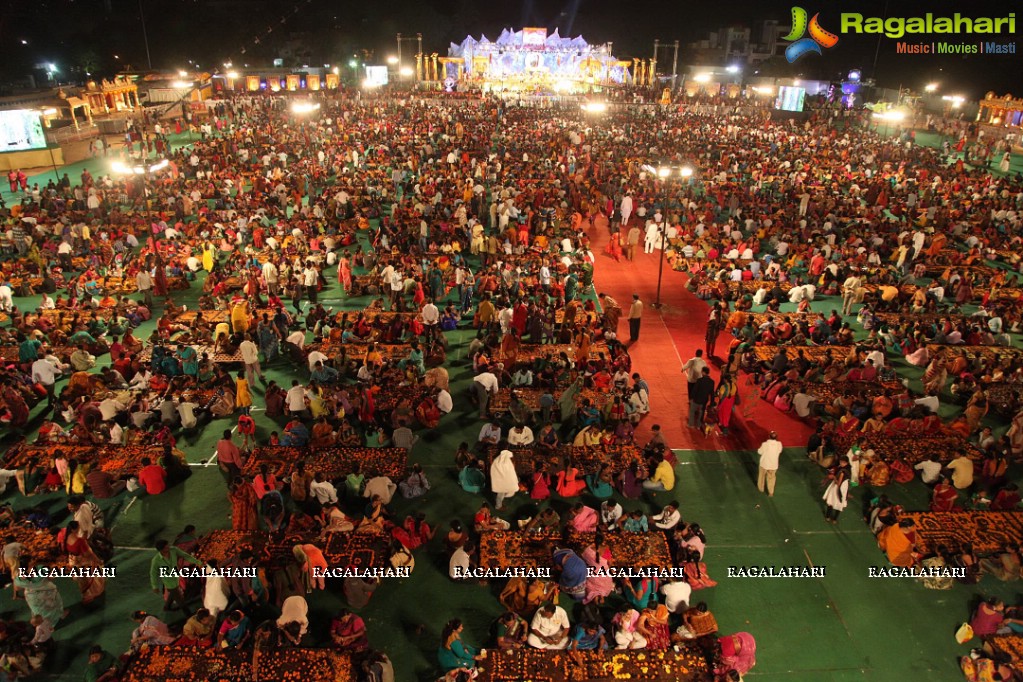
<point>844,626</point>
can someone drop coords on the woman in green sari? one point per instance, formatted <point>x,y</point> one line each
<point>41,595</point>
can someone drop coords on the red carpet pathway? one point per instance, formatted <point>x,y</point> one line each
<point>670,336</point>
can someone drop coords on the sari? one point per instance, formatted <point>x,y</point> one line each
<point>655,622</point>
<point>243,508</point>
<point>897,545</point>
<point>569,484</point>
<point>738,652</point>
<point>944,498</point>
<point>81,554</point>
<point>513,596</point>
<point>585,521</point>
<point>598,586</point>
<point>42,597</point>
<point>696,575</point>
<point>573,573</point>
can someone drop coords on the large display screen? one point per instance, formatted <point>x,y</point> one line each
<point>376,76</point>
<point>21,129</point>
<point>790,99</point>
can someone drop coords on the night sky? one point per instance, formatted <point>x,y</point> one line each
<point>80,35</point>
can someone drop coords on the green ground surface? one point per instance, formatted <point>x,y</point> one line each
<point>844,626</point>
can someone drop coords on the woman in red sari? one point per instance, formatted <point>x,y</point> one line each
<point>80,554</point>
<point>569,483</point>
<point>367,409</point>
<point>510,348</point>
<point>243,505</point>
<point>653,625</point>
<point>614,247</point>
<point>344,272</point>
<point>944,497</point>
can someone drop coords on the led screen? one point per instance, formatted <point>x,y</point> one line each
<point>21,129</point>
<point>790,99</point>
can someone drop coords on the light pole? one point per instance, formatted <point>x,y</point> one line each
<point>664,173</point>
<point>145,36</point>
<point>145,170</point>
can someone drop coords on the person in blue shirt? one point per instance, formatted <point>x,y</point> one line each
<point>636,523</point>
<point>588,637</point>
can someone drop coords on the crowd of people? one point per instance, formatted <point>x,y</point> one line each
<point>473,215</point>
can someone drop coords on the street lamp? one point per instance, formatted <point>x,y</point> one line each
<point>594,107</point>
<point>392,60</point>
<point>664,173</point>
<point>304,107</point>
<point>930,87</point>
<point>890,116</point>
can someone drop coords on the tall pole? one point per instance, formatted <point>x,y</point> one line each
<point>145,36</point>
<point>664,238</point>
<point>674,67</point>
<point>399,57</point>
<point>653,62</point>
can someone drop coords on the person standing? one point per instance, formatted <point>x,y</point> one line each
<point>850,288</point>
<point>504,481</point>
<point>486,386</point>
<point>311,280</point>
<point>625,208</point>
<point>693,369</point>
<point>836,495</point>
<point>699,397</point>
<point>144,283</point>
<point>46,374</point>
<point>250,357</point>
<point>770,453</point>
<point>635,316</point>
<point>632,242</point>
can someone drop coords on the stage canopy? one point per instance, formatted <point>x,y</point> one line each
<point>533,59</point>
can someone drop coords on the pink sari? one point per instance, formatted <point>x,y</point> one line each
<point>585,521</point>
<point>597,586</point>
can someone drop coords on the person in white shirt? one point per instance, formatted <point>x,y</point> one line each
<point>250,356</point>
<point>770,453</point>
<point>144,283</point>
<point>380,486</point>
<point>549,628</point>
<point>520,435</point>
<point>610,513</point>
<point>693,369</point>
<point>676,595</point>
<point>270,275</point>
<point>801,404</point>
<point>295,399</point>
<point>931,402</point>
<point>668,518</point>
<point>459,564</point>
<point>431,315</point>
<point>46,374</point>
<point>486,386</point>
<point>323,490</point>
<point>444,402</point>
<point>110,407</point>
<point>310,278</point>
<point>296,338</point>
<point>930,470</point>
<point>186,410</point>
<point>316,356</point>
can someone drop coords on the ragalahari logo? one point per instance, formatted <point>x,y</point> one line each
<point>817,39</point>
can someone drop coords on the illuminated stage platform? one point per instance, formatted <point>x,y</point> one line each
<point>532,60</point>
